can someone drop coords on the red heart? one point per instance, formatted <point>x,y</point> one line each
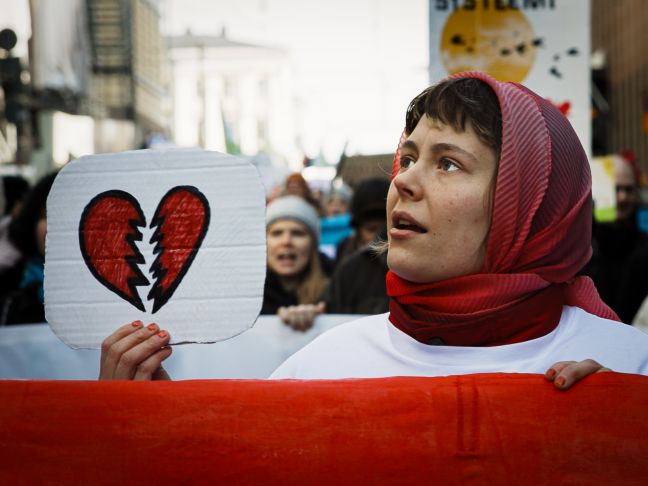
<point>181,220</point>
<point>109,228</point>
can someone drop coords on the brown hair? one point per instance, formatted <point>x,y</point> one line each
<point>314,280</point>
<point>456,102</point>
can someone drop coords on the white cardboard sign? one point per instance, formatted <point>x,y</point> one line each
<point>175,237</point>
<point>543,44</point>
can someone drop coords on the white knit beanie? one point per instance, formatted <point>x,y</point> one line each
<point>296,208</point>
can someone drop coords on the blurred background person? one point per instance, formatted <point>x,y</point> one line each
<point>338,200</point>
<point>295,274</point>
<point>296,185</point>
<point>336,224</point>
<point>615,245</point>
<point>368,216</point>
<point>14,189</point>
<point>358,284</point>
<point>22,285</point>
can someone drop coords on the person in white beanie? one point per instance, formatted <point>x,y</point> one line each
<point>295,279</point>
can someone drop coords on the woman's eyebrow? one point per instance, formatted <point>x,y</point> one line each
<point>448,147</point>
<point>409,144</point>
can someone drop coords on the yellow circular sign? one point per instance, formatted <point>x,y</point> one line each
<point>498,42</point>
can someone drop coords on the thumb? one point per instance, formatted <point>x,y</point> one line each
<point>161,374</point>
<point>321,307</point>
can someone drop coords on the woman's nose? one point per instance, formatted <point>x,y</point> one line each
<point>286,239</point>
<point>407,184</point>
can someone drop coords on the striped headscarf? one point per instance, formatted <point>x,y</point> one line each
<point>539,239</point>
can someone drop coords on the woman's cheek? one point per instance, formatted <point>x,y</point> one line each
<point>41,231</point>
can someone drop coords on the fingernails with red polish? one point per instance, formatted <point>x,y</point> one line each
<point>152,327</point>
<point>560,381</point>
<point>550,373</point>
<point>136,323</point>
<point>163,334</point>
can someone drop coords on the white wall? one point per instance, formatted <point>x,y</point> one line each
<point>249,85</point>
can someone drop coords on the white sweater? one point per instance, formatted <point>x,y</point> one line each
<point>372,347</point>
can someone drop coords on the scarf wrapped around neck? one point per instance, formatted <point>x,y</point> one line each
<point>540,237</point>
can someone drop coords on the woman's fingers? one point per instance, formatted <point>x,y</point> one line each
<point>564,374</point>
<point>283,314</point>
<point>552,373</point>
<point>300,317</point>
<point>151,368</point>
<point>119,334</point>
<point>161,374</point>
<point>293,316</point>
<point>118,343</point>
<point>134,356</point>
<point>124,350</point>
<point>304,318</point>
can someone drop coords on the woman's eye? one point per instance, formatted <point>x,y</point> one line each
<point>448,165</point>
<point>406,162</point>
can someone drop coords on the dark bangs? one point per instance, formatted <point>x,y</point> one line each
<point>455,102</point>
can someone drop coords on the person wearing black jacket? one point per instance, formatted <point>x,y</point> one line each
<point>358,283</point>
<point>296,271</point>
<point>21,286</point>
<point>620,249</point>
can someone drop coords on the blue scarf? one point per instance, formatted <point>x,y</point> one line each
<point>34,275</point>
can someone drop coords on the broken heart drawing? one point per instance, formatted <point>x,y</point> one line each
<point>110,225</point>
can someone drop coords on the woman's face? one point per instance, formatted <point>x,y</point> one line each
<point>41,231</point>
<point>336,205</point>
<point>627,195</point>
<point>289,247</point>
<point>439,204</point>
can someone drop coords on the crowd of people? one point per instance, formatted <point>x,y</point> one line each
<point>305,278</point>
<point>489,216</point>
<point>474,257</point>
<point>302,281</point>
<point>618,265</point>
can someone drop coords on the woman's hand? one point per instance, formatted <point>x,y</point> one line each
<point>300,317</point>
<point>135,352</point>
<point>565,373</point>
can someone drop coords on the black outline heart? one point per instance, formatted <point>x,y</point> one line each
<point>159,296</point>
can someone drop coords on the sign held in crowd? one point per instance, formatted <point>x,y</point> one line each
<point>175,237</point>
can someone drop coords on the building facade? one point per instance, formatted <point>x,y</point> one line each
<point>231,97</point>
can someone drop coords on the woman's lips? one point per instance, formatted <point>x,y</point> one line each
<point>404,226</point>
<point>402,234</point>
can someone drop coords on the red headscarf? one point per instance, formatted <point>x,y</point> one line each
<point>540,237</point>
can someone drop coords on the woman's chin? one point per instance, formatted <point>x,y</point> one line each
<point>406,270</point>
<point>287,271</point>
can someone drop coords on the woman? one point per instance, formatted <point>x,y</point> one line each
<point>295,276</point>
<point>22,284</point>
<point>296,185</point>
<point>489,220</point>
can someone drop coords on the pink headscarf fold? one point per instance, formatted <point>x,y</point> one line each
<point>540,232</point>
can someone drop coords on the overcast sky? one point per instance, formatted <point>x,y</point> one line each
<point>357,63</point>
